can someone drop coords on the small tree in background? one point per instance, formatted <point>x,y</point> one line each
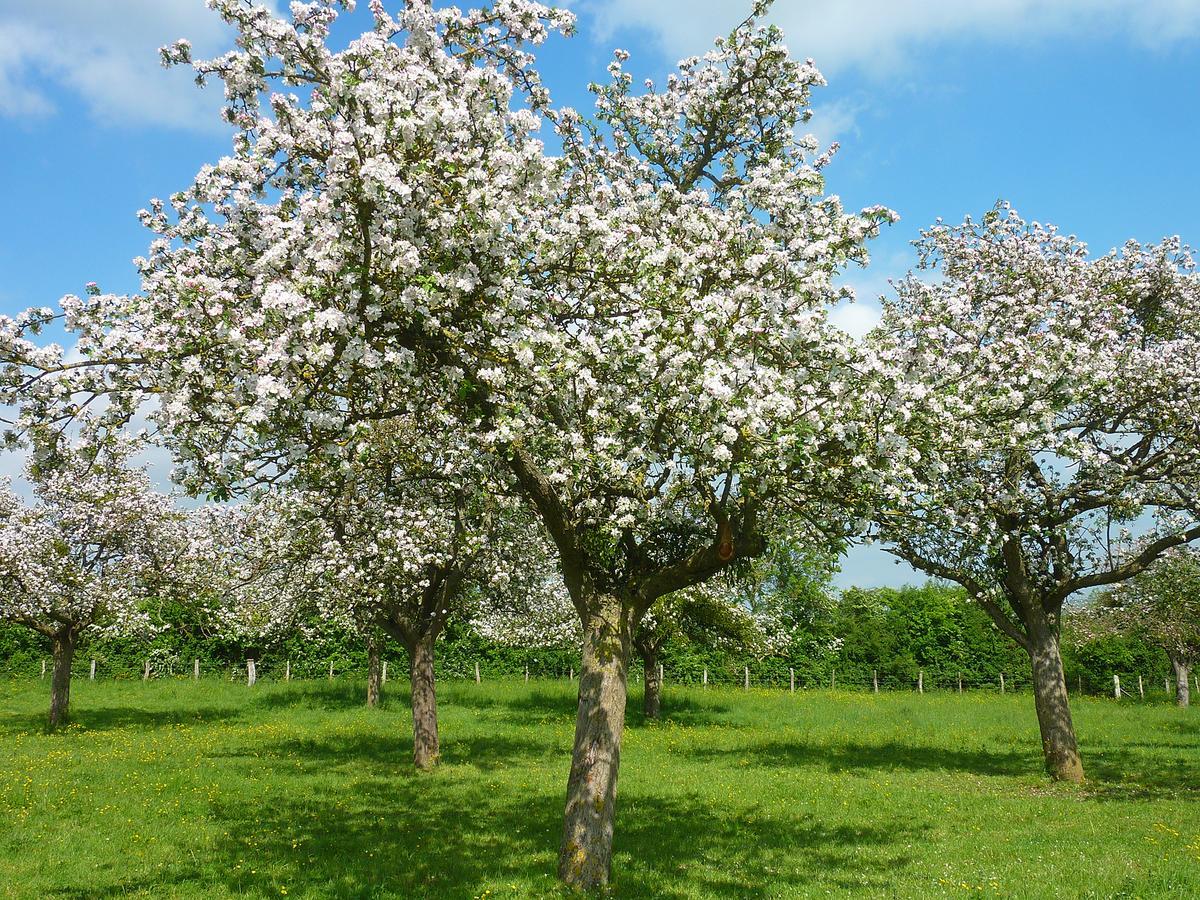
<point>1056,398</point>
<point>412,530</point>
<point>1162,607</point>
<point>87,555</point>
<point>712,614</point>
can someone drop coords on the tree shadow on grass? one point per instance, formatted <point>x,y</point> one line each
<point>390,755</point>
<point>1114,772</point>
<point>344,694</point>
<point>888,755</point>
<point>454,833</point>
<point>110,718</point>
<point>540,706</point>
<point>1188,727</point>
<point>1118,773</point>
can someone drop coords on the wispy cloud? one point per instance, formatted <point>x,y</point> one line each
<point>881,36</point>
<point>106,54</point>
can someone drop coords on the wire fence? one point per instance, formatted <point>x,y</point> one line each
<point>1118,685</point>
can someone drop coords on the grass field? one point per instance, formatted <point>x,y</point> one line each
<point>177,789</point>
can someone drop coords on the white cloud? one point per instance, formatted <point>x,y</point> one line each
<point>105,52</point>
<point>833,121</point>
<point>856,319</point>
<point>879,36</point>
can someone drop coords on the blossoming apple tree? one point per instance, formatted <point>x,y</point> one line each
<point>635,326</point>
<point>1162,605</point>
<point>87,554</point>
<point>416,528</point>
<point>1056,399</point>
<point>711,613</point>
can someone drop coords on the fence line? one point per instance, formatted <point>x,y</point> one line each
<point>789,679</point>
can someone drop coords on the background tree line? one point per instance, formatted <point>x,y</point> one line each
<point>851,636</point>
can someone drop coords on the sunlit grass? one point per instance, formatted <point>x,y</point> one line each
<point>173,788</point>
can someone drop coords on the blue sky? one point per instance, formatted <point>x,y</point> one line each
<point>1080,112</point>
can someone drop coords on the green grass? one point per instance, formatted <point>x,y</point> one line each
<point>214,789</point>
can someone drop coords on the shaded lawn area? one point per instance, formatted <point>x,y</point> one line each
<point>179,789</point>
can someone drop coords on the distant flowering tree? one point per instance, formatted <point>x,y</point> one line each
<point>86,556</point>
<point>711,612</point>
<point>1056,398</point>
<point>412,531</point>
<point>1161,605</point>
<point>636,326</point>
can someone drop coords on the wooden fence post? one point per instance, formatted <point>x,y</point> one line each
<point>875,680</point>
<point>251,673</point>
<point>527,674</point>
<point>1141,690</point>
<point>833,679</point>
<point>477,672</point>
<point>1002,682</point>
<point>660,676</point>
<point>43,668</point>
<point>146,673</point>
<point>196,670</point>
<point>331,670</point>
<point>960,682</point>
<point>920,681</point>
<point>92,673</point>
<point>1117,687</point>
<point>746,677</point>
<point>1167,685</point>
<point>792,676</point>
<point>571,673</point>
<point>383,675</point>
<point>704,678</point>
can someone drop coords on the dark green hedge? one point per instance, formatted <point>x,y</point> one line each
<point>885,633</point>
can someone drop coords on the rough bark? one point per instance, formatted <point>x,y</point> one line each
<point>1053,708</point>
<point>585,857</point>
<point>60,682</point>
<point>652,695</point>
<point>1182,691</point>
<point>374,672</point>
<point>426,749</point>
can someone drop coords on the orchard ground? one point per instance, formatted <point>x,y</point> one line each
<point>178,789</point>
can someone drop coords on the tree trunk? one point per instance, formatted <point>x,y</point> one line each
<point>374,672</point>
<point>652,696</point>
<point>60,682</point>
<point>1053,708</point>
<point>585,857</point>
<point>1182,692</point>
<point>424,703</point>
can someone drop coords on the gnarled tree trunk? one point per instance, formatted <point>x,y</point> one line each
<point>426,749</point>
<point>374,671</point>
<point>585,857</point>
<point>1053,708</point>
<point>60,683</point>
<point>652,696</point>
<point>1182,671</point>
